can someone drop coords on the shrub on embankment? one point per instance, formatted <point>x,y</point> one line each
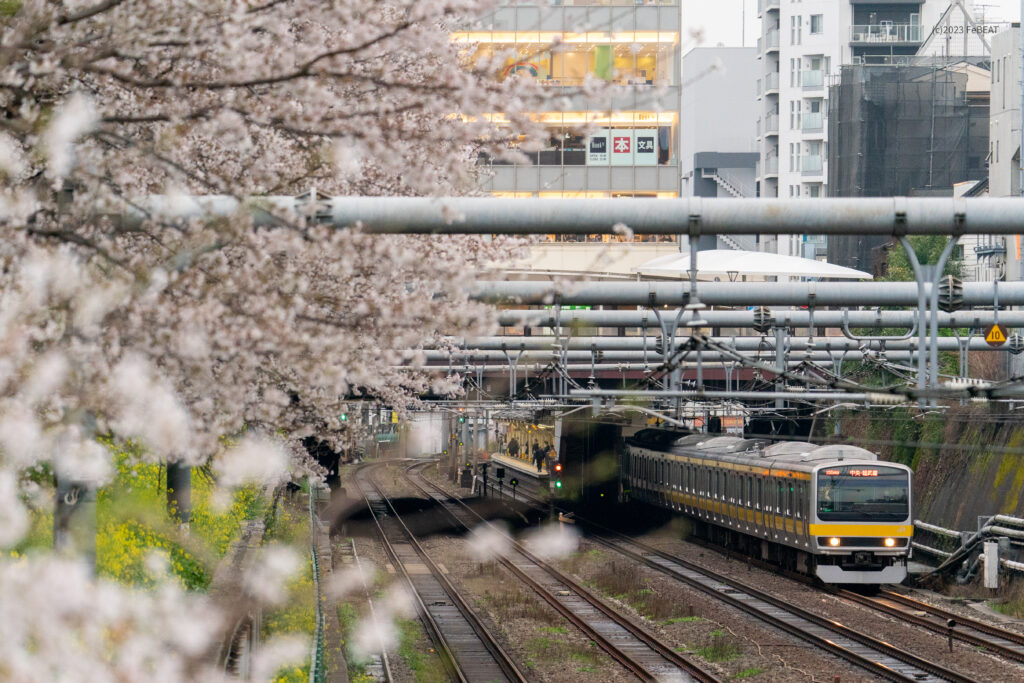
<point>968,461</point>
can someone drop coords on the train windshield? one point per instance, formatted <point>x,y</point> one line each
<point>863,493</point>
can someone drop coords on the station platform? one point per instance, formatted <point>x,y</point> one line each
<point>499,460</point>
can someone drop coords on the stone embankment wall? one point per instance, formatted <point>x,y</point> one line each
<point>967,462</point>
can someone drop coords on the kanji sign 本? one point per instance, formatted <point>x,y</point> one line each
<point>622,147</point>
<point>996,335</point>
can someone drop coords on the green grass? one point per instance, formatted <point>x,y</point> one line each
<point>680,620</point>
<point>553,629</point>
<point>748,673</point>
<point>413,649</point>
<point>721,648</point>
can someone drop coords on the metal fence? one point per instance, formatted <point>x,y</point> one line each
<point>317,663</point>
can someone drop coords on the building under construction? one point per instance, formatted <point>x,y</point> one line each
<point>914,128</point>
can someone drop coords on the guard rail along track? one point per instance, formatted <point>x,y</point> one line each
<point>869,653</point>
<point>468,649</point>
<point>633,647</point>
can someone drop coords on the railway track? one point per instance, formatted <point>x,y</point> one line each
<point>988,637</point>
<point>469,650</point>
<point>869,653</point>
<point>639,651</point>
<point>993,639</point>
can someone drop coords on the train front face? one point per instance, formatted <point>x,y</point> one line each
<point>861,521</point>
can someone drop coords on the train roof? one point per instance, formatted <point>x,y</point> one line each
<point>798,455</point>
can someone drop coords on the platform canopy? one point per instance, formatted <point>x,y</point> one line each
<point>731,264</point>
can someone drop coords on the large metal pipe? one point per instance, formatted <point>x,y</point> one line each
<point>689,216</point>
<point>786,317</point>
<point>834,216</point>
<point>798,343</point>
<point>534,368</point>
<point>738,395</point>
<point>532,293</point>
<point>480,356</point>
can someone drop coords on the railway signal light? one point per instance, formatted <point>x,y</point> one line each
<point>462,418</point>
<point>514,482</point>
<point>558,467</point>
<point>558,484</point>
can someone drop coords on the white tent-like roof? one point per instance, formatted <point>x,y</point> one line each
<point>730,264</point>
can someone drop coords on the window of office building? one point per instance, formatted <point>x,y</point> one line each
<point>817,23</point>
<point>794,72</point>
<point>796,26</point>
<point>639,138</point>
<point>626,58</point>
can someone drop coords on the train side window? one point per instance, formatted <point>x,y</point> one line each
<point>750,491</point>
<point>757,497</point>
<point>799,500</point>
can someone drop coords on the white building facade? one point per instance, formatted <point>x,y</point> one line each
<point>801,47</point>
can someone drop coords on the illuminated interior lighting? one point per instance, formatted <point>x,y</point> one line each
<point>548,37</point>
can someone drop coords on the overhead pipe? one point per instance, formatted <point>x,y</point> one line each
<point>785,317</point>
<point>836,294</point>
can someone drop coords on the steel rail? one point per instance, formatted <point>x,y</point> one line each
<point>879,646</point>
<point>646,553</point>
<point>502,659</point>
<point>1008,644</point>
<point>620,655</point>
<point>997,641</point>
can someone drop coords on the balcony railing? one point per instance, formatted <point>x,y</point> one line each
<point>757,87</point>
<point>771,82</point>
<point>771,40</point>
<point>810,164</point>
<point>771,124</point>
<point>885,33</point>
<point>763,5</point>
<point>811,122</point>
<point>812,80</point>
<point>771,166</point>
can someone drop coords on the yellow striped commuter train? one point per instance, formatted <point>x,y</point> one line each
<point>832,511</point>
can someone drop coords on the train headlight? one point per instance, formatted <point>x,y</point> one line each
<point>833,541</point>
<point>889,542</point>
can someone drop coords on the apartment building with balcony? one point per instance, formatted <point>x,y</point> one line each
<point>801,47</point>
<point>634,44</point>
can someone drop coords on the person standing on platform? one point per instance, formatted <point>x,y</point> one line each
<point>513,448</point>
